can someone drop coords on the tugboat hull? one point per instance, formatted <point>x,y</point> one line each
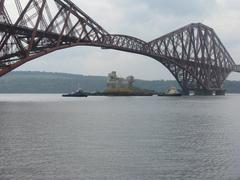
<point>69,95</point>
<point>79,93</point>
<point>174,95</point>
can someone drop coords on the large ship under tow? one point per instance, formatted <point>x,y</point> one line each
<point>117,86</point>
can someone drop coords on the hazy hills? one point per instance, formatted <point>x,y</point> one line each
<point>44,82</point>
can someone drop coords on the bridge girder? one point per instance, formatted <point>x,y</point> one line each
<point>193,54</point>
<point>198,45</point>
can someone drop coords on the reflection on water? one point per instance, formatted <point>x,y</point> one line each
<point>144,138</point>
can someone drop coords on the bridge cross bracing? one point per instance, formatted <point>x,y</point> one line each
<point>193,54</point>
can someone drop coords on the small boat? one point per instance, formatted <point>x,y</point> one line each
<point>78,93</point>
<point>171,92</point>
<point>165,94</point>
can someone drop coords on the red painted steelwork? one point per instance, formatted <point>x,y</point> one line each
<point>193,54</point>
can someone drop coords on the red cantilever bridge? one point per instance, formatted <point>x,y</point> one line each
<point>193,54</point>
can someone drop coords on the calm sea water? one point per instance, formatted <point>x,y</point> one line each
<point>47,137</point>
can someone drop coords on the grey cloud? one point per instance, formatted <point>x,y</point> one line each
<point>231,4</point>
<point>176,7</point>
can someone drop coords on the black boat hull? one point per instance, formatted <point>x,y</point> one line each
<point>68,95</point>
<point>170,95</point>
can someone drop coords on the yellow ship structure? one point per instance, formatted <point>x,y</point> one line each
<point>123,86</point>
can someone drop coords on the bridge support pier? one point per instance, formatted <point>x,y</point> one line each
<point>205,92</point>
<point>220,92</point>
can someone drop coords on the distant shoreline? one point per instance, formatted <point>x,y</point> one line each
<point>34,82</point>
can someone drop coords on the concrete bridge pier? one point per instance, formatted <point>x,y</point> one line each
<point>205,92</point>
<point>220,92</point>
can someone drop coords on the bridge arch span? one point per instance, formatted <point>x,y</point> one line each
<point>193,54</point>
<point>172,66</point>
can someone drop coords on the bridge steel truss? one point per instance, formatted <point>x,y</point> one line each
<point>193,54</point>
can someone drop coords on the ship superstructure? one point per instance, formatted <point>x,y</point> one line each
<point>117,84</point>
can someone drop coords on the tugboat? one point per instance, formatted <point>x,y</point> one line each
<point>171,92</point>
<point>78,93</point>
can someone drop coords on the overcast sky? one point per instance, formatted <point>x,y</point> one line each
<point>145,19</point>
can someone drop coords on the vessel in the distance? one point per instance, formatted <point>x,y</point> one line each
<point>171,92</point>
<point>117,86</point>
<point>78,93</point>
